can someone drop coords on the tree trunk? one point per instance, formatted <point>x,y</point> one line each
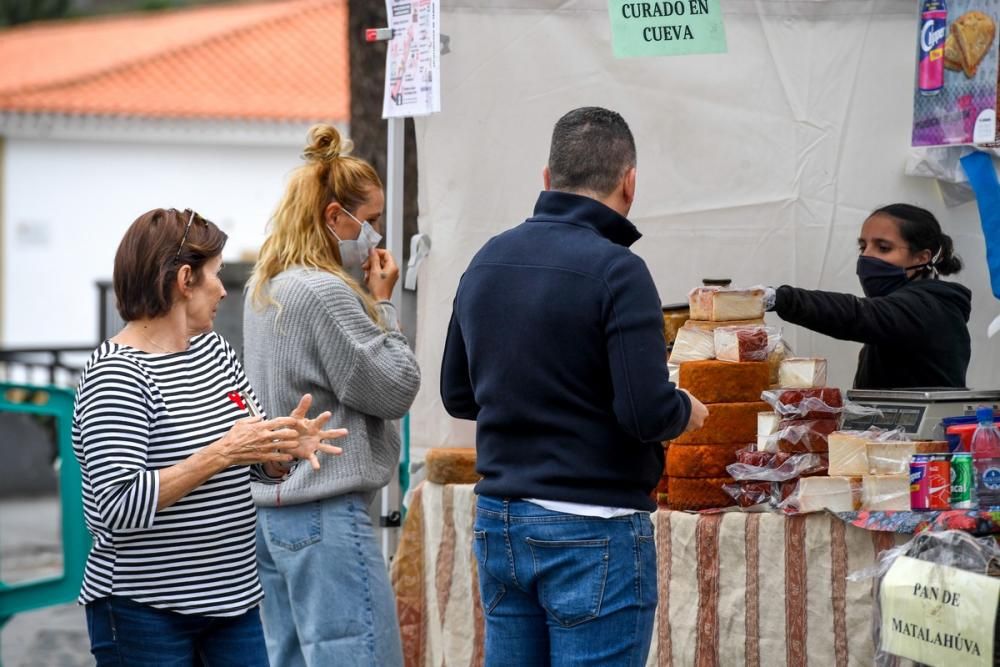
<point>368,130</point>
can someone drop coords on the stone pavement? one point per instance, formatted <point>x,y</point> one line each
<point>30,549</point>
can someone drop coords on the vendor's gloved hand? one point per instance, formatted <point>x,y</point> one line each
<point>769,297</point>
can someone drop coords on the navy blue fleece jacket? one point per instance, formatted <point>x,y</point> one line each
<point>556,349</point>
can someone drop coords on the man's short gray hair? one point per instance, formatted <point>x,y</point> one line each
<point>592,148</point>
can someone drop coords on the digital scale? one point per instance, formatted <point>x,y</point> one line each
<point>917,411</point>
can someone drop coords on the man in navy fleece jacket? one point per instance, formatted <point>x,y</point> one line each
<point>556,349</point>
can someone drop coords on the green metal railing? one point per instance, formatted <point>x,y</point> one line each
<point>24,596</point>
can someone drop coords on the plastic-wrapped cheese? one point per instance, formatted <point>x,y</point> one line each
<point>848,453</point>
<point>698,494</point>
<point>741,344</point>
<point>700,460</point>
<point>804,435</point>
<point>692,345</point>
<point>838,494</point>
<point>724,382</point>
<point>727,423</point>
<point>778,353</point>
<point>886,492</point>
<point>818,403</point>
<point>890,458</point>
<point>722,305</point>
<point>802,373</point>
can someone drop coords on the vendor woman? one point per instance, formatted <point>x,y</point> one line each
<point>913,325</point>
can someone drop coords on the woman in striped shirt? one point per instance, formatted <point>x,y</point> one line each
<point>168,435</point>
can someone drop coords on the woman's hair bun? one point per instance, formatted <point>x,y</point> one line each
<point>325,144</point>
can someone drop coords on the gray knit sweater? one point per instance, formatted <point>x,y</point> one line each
<point>321,341</point>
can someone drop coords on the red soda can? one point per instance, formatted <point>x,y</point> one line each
<point>930,482</point>
<point>933,31</point>
<point>918,481</point>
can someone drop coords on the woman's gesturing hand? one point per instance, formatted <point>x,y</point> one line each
<point>311,434</point>
<point>255,440</point>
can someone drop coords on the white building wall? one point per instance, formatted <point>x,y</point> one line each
<point>67,201</point>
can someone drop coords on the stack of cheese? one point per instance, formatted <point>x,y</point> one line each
<point>867,471</point>
<point>792,439</point>
<point>711,308</point>
<point>697,460</point>
<point>727,324</point>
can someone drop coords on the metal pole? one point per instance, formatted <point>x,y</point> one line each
<point>394,197</point>
<point>391,500</point>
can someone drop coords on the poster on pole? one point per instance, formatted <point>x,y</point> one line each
<point>669,28</point>
<point>413,59</point>
<point>955,91</point>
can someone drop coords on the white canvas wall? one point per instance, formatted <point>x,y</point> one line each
<point>66,204</point>
<point>759,165</point>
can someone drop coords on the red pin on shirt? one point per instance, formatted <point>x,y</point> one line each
<point>237,398</point>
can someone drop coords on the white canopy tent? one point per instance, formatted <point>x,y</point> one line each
<point>758,165</point>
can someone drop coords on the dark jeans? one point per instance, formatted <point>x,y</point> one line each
<point>124,633</point>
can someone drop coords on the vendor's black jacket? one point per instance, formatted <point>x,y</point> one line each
<point>556,349</point>
<point>916,336</point>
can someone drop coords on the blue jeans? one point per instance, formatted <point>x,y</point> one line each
<point>561,589</point>
<point>125,633</point>
<point>327,600</point>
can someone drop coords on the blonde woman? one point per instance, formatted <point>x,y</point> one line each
<point>318,315</point>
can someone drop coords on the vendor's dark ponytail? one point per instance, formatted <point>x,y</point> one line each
<point>922,231</point>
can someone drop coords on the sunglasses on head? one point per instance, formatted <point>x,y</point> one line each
<point>187,228</point>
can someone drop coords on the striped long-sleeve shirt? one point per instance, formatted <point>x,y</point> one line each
<point>137,413</point>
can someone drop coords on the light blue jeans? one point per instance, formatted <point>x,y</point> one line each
<point>561,589</point>
<point>327,595</point>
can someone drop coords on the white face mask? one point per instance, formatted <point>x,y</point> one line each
<point>354,252</point>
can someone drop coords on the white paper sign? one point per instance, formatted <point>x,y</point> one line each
<point>413,59</point>
<point>938,615</point>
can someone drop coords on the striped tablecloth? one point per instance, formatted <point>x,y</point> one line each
<point>761,590</point>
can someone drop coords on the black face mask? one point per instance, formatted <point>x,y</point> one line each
<point>880,278</point>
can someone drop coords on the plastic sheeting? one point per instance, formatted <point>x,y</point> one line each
<point>759,165</point>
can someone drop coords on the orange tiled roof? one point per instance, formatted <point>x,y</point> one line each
<point>271,61</point>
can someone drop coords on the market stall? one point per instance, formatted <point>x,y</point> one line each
<point>735,588</point>
<point>769,513</point>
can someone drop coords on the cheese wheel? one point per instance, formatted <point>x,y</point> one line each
<point>725,382</point>
<point>727,423</point>
<point>673,320</point>
<point>704,460</point>
<point>661,486</point>
<point>698,494</point>
<point>709,325</point>
<point>455,465</point>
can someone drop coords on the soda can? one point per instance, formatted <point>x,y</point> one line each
<point>918,482</point>
<point>933,31</point>
<point>930,482</point>
<point>962,481</point>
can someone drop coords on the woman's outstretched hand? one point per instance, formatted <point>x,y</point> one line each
<point>312,434</point>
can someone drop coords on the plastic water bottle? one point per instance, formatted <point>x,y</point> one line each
<point>986,459</point>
